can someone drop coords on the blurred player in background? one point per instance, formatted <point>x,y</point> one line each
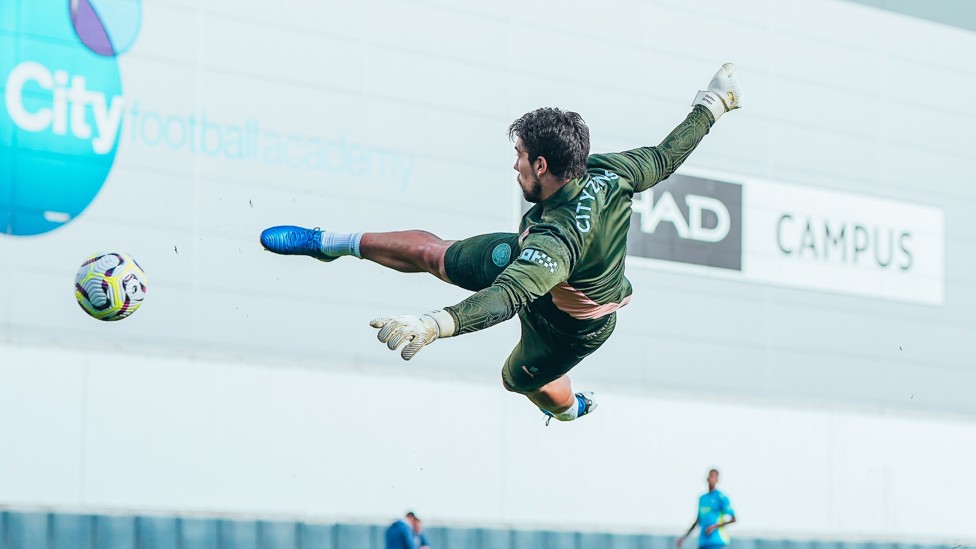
<point>562,274</point>
<point>402,534</point>
<point>714,513</point>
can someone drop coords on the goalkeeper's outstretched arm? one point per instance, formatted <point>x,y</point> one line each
<point>647,166</point>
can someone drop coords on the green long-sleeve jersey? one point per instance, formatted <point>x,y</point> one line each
<point>573,244</point>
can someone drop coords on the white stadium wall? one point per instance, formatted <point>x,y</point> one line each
<point>833,391</point>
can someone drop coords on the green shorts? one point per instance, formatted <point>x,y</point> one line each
<point>552,342</point>
<point>474,263</point>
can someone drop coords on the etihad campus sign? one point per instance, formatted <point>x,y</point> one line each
<point>790,235</point>
<point>62,103</point>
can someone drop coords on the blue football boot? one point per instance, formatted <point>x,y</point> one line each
<point>292,240</point>
<point>586,403</point>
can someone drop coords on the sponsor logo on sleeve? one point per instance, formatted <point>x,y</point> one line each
<point>541,258</point>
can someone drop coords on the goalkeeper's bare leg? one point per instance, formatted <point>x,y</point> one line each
<point>407,251</point>
<point>557,399</point>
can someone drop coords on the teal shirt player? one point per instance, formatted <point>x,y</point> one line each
<point>713,508</point>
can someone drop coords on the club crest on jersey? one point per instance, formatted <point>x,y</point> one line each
<point>535,256</point>
<point>501,254</point>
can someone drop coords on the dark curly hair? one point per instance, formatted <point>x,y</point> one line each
<point>561,137</point>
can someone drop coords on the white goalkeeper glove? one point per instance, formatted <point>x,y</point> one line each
<point>415,331</point>
<point>724,92</point>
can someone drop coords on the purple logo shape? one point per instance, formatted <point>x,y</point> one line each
<point>106,27</point>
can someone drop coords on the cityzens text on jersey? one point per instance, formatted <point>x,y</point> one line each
<point>596,184</point>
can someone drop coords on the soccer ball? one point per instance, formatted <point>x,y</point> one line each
<point>110,286</point>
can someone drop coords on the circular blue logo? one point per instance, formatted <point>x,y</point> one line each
<point>61,117</point>
<point>501,255</point>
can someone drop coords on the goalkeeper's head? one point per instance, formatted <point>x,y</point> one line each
<point>552,147</point>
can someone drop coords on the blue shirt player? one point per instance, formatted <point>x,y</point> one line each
<point>401,535</point>
<point>714,514</point>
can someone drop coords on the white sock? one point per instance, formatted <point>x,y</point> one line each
<point>570,413</point>
<point>337,244</point>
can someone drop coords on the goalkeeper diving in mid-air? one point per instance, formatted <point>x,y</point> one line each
<point>562,273</point>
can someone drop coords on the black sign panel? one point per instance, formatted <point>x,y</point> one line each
<point>689,220</point>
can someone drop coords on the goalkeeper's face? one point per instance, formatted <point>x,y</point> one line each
<point>528,177</point>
